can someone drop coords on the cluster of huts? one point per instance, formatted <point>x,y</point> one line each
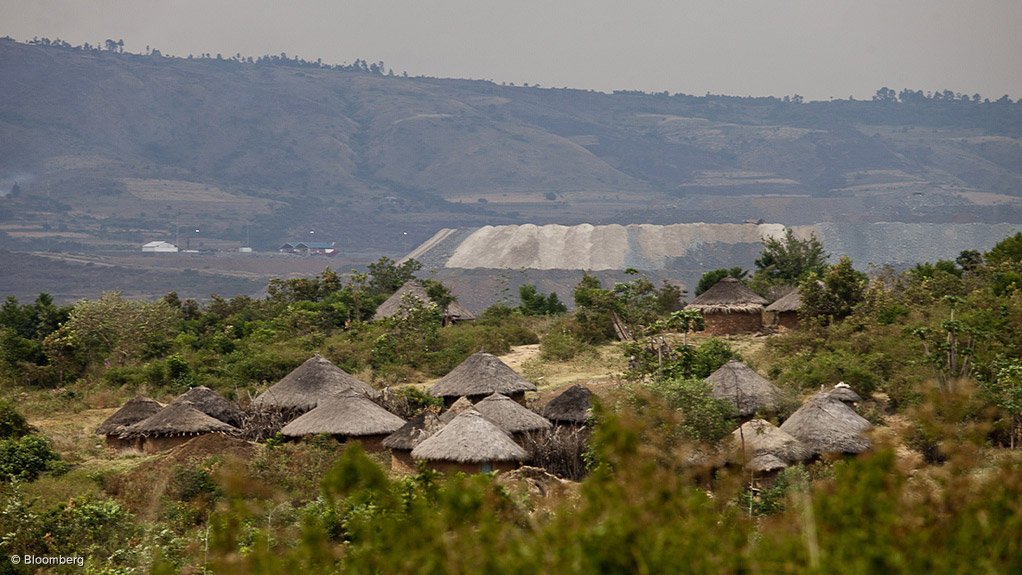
<point>729,307</point>
<point>482,428</point>
<point>826,423</point>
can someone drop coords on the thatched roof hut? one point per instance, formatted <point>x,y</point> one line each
<point>761,438</point>
<point>765,463</point>
<point>414,431</point>
<point>574,405</point>
<point>784,311</point>
<point>792,301</point>
<point>470,442</point>
<point>212,404</point>
<point>739,384</point>
<point>173,425</point>
<point>480,375</point>
<point>408,437</point>
<point>389,308</point>
<point>826,425</point>
<point>462,404</point>
<point>844,393</point>
<point>510,415</point>
<point>316,379</point>
<point>133,411</point>
<point>730,307</point>
<point>351,416</point>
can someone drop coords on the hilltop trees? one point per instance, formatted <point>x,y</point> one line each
<point>784,262</point>
<point>834,293</point>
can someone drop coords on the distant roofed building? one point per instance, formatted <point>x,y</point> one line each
<point>309,248</point>
<point>159,246</point>
<point>455,312</point>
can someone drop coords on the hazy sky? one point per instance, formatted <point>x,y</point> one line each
<point>816,48</point>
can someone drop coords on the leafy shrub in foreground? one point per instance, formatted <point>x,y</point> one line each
<point>25,458</point>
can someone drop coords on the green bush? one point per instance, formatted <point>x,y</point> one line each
<point>25,458</point>
<point>12,424</point>
<point>562,346</point>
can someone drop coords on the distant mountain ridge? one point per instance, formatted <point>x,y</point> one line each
<point>108,149</point>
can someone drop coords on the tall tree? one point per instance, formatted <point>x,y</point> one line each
<point>789,259</point>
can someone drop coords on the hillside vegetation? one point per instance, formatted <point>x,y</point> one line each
<point>102,147</point>
<point>935,352</point>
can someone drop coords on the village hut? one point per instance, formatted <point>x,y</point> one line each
<point>408,437</point>
<point>302,389</point>
<point>479,376</point>
<point>763,447</point>
<point>845,394</point>
<point>729,308</point>
<point>747,390</point>
<point>826,425</point>
<point>514,418</point>
<point>783,313</point>
<point>470,443</point>
<point>174,425</point>
<point>212,404</point>
<point>574,406</point>
<point>133,411</point>
<point>347,417</point>
<point>454,313</point>
<point>462,404</point>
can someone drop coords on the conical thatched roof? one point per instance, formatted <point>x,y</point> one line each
<point>763,438</point>
<point>739,384</point>
<point>764,462</point>
<point>470,438</point>
<point>573,405</point>
<point>212,404</point>
<point>180,418</point>
<point>310,382</point>
<point>843,392</point>
<point>790,302</point>
<point>133,411</point>
<point>463,404</point>
<point>392,305</point>
<point>414,432</point>
<point>729,295</point>
<point>481,374</point>
<point>350,415</point>
<point>510,415</point>
<point>825,425</point>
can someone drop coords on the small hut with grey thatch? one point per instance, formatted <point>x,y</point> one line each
<point>462,404</point>
<point>514,418</point>
<point>470,443</point>
<point>174,425</point>
<point>763,447</point>
<point>574,406</point>
<point>212,404</point>
<point>845,394</point>
<point>747,390</point>
<point>133,411</point>
<point>783,313</point>
<point>478,376</point>
<point>408,437</point>
<point>302,389</point>
<point>454,313</point>
<point>347,417</point>
<point>729,307</point>
<point>826,425</point>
